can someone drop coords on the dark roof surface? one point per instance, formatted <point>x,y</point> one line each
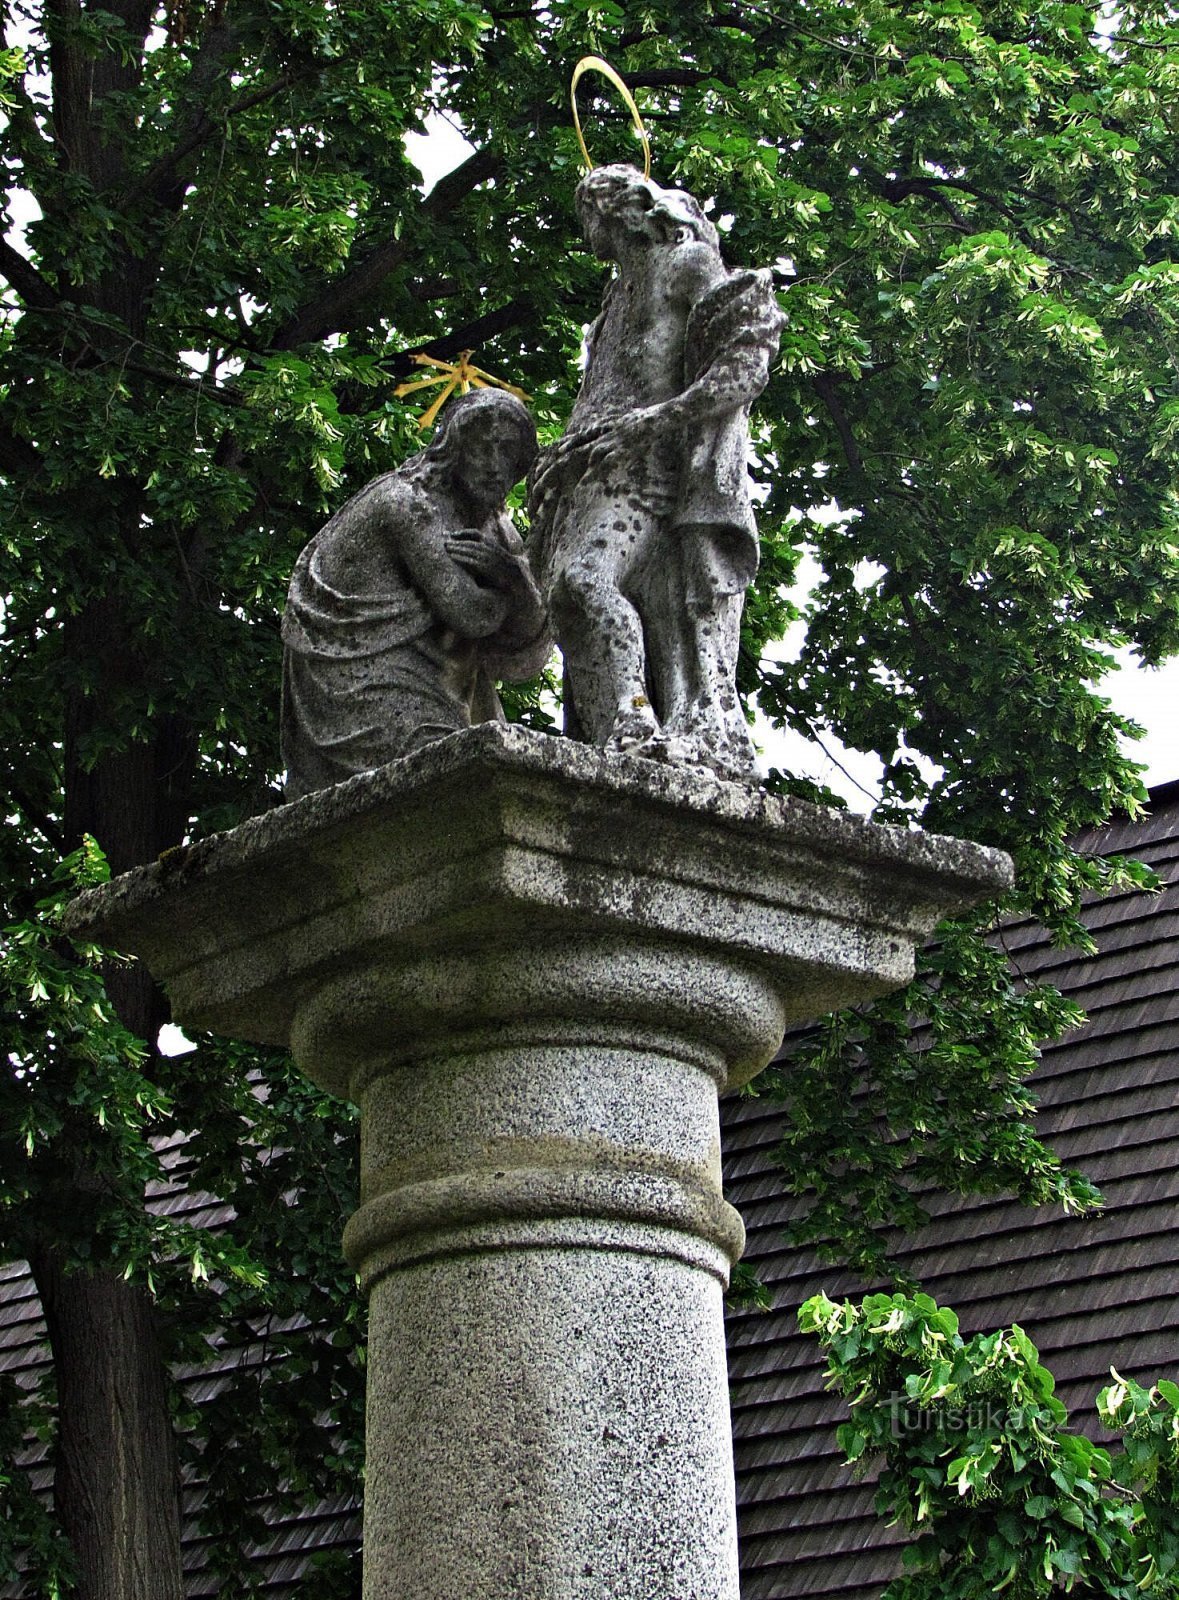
<point>1091,1292</point>
<point>24,1354</point>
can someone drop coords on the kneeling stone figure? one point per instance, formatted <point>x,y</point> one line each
<point>411,601</point>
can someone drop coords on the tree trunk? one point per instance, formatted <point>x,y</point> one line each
<point>116,1480</point>
<point>115,1483</point>
<point>134,800</point>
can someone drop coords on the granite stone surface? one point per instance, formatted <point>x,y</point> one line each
<point>589,1456</point>
<point>643,536</point>
<point>499,832</point>
<point>411,602</point>
<point>533,965</point>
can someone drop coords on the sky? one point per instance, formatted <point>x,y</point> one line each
<point>1149,697</point>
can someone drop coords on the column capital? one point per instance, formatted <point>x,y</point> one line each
<point>501,839</point>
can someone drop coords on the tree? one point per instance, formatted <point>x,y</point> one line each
<point>975,1459</point>
<point>971,211</point>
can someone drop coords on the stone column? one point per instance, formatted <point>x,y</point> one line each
<point>533,966</point>
<point>544,1241</point>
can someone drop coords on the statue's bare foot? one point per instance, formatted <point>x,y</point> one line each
<point>634,726</point>
<point>672,749</point>
<point>732,759</point>
<point>736,760</point>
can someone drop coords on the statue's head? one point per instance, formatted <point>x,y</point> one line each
<point>617,205</point>
<point>487,439</point>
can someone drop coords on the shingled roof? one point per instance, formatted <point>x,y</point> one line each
<point>24,1354</point>
<point>1092,1293</point>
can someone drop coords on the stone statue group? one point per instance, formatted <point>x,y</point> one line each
<point>419,593</point>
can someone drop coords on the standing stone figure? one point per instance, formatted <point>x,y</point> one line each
<point>643,533</point>
<point>411,601</point>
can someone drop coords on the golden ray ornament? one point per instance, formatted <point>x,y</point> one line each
<point>605,70</point>
<point>461,375</point>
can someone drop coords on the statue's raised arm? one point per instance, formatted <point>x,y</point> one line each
<point>643,532</point>
<point>411,601</point>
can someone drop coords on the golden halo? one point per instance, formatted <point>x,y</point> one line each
<point>596,64</point>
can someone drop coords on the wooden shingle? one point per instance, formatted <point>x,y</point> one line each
<point>1091,1292</point>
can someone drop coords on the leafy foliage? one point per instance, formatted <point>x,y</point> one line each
<point>976,1459</point>
<point>972,212</point>
<point>266,1298</point>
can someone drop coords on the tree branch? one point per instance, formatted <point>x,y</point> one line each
<point>824,386</point>
<point>322,314</point>
<point>67,70</point>
<point>932,191</point>
<point>738,21</point>
<point>670,78</point>
<point>199,124</point>
<point>930,186</point>
<point>25,279</point>
<point>82,82</point>
<point>468,337</point>
<point>159,182</point>
<point>51,831</point>
<point>223,394</point>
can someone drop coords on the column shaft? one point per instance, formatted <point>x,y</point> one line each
<point>545,1246</point>
<point>549,1423</point>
